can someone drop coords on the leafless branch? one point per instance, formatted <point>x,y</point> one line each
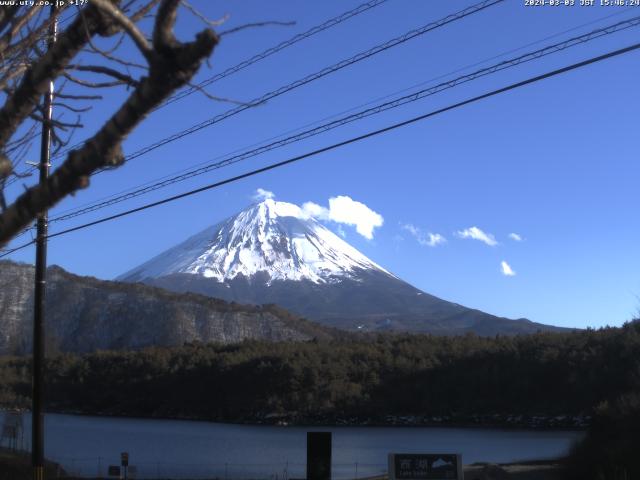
<point>255,25</point>
<point>77,97</point>
<point>88,84</point>
<point>7,12</point>
<point>55,123</point>
<point>71,108</point>
<point>127,25</point>
<point>100,69</point>
<point>217,99</point>
<point>57,139</point>
<point>202,17</point>
<point>172,64</point>
<point>108,54</point>
<point>142,12</point>
<point>19,105</point>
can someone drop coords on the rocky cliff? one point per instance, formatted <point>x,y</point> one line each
<point>85,314</point>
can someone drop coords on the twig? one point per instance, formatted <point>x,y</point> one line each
<point>88,84</point>
<point>77,97</point>
<point>255,25</point>
<point>219,99</point>
<point>105,71</point>
<point>207,21</point>
<point>72,109</point>
<point>127,25</point>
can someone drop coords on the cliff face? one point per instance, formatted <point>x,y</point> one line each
<point>85,314</point>
<point>16,304</point>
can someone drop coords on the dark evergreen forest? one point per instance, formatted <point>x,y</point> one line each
<point>355,379</point>
<point>540,380</point>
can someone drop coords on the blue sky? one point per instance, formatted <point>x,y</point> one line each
<point>555,163</point>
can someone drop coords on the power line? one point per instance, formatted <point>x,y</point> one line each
<point>352,140</point>
<point>407,89</point>
<point>6,253</point>
<point>334,146</point>
<point>548,50</point>
<point>362,8</point>
<point>246,63</point>
<point>275,49</point>
<point>315,76</point>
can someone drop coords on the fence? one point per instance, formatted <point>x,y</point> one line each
<point>97,468</point>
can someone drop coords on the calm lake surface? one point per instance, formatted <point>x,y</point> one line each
<point>189,449</point>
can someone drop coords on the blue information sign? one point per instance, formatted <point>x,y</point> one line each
<point>425,466</point>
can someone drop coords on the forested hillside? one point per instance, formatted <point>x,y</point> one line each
<point>355,379</point>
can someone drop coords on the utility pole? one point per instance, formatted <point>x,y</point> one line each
<point>37,414</point>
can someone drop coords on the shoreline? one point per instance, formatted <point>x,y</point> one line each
<point>488,421</point>
<point>16,464</point>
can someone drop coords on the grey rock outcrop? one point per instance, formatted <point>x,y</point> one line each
<point>85,314</point>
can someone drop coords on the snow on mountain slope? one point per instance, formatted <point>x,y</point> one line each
<point>273,237</point>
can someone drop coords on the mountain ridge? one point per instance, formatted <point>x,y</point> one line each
<point>275,252</point>
<point>86,314</point>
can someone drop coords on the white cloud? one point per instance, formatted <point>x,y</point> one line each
<point>506,269</point>
<point>345,210</point>
<point>435,239</point>
<point>515,237</point>
<point>426,239</point>
<point>314,210</point>
<point>262,194</point>
<point>476,234</point>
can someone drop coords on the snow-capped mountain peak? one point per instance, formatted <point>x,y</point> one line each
<point>277,238</point>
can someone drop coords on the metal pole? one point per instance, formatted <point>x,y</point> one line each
<point>37,421</point>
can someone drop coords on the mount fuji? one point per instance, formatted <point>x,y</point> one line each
<point>274,252</point>
<point>275,238</point>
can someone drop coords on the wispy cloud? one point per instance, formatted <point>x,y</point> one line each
<point>476,234</point>
<point>262,194</point>
<point>506,269</point>
<point>426,239</point>
<point>311,209</point>
<point>344,210</point>
<point>515,237</point>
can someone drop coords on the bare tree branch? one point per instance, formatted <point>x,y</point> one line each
<point>77,97</point>
<point>123,78</point>
<point>216,98</point>
<point>172,64</point>
<point>108,54</point>
<point>127,25</point>
<point>55,123</point>
<point>7,12</point>
<point>163,38</point>
<point>71,108</point>
<point>142,12</point>
<point>202,17</point>
<point>35,81</point>
<point>88,84</point>
<point>255,25</point>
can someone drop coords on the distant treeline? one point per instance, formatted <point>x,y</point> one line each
<point>369,377</point>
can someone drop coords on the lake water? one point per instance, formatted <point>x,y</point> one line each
<point>188,449</point>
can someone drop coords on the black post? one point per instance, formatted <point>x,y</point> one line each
<point>318,455</point>
<point>37,419</point>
